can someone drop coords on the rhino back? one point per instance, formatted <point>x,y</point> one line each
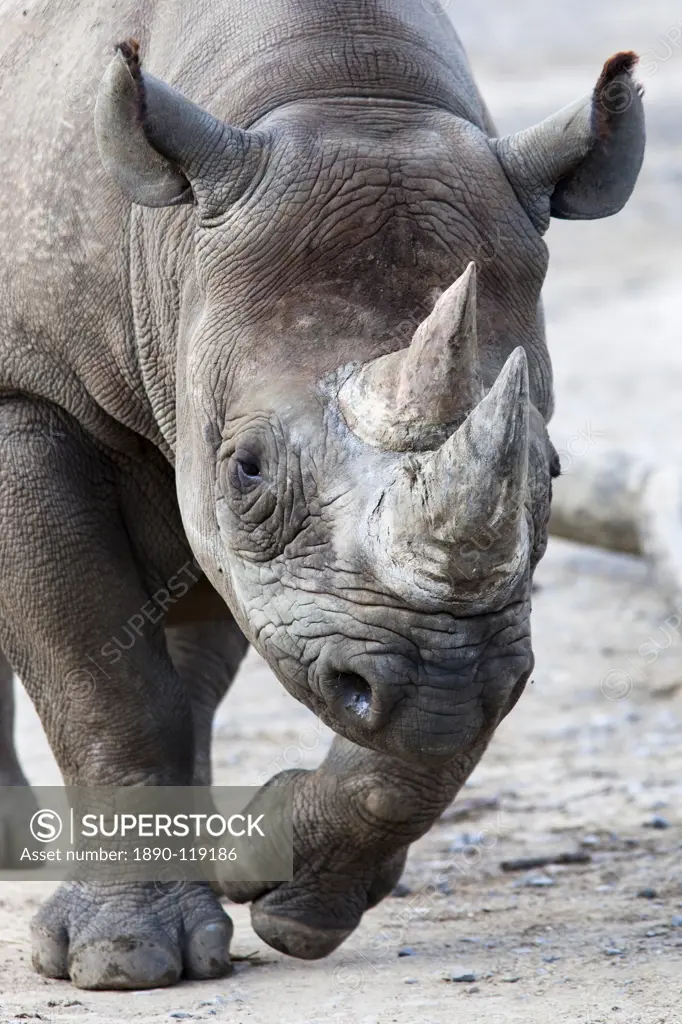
<point>68,329</point>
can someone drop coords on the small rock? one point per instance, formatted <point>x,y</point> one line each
<point>180,1015</point>
<point>657,822</point>
<point>238,966</point>
<point>407,951</point>
<point>410,981</point>
<point>551,959</point>
<point>466,977</point>
<point>465,841</point>
<point>512,979</point>
<point>676,920</point>
<point>538,881</point>
<point>401,891</point>
<point>613,951</point>
<point>647,894</point>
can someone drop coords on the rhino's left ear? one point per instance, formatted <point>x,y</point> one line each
<point>161,148</point>
<point>582,163</point>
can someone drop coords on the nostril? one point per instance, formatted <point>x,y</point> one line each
<point>358,703</point>
<point>355,693</point>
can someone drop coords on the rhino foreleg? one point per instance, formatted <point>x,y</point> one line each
<point>72,577</point>
<point>206,656</point>
<point>354,820</point>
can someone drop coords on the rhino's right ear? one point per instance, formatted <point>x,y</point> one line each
<point>162,149</point>
<point>582,163</point>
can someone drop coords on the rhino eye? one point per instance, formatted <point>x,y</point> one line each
<point>245,472</point>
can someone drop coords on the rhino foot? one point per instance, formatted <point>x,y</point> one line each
<point>302,920</point>
<point>132,935</point>
<point>344,863</point>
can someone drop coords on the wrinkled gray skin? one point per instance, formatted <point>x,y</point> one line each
<point>171,383</point>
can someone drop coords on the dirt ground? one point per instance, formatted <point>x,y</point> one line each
<point>590,762</point>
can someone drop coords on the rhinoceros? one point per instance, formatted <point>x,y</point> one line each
<point>273,372</point>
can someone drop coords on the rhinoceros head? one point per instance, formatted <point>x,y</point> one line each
<point>370,505</point>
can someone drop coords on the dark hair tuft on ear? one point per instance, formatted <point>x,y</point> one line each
<point>625,60</point>
<point>130,51</point>
<point>611,97</point>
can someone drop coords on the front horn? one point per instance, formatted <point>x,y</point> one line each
<point>453,521</point>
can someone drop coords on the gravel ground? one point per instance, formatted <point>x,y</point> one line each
<point>590,762</point>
